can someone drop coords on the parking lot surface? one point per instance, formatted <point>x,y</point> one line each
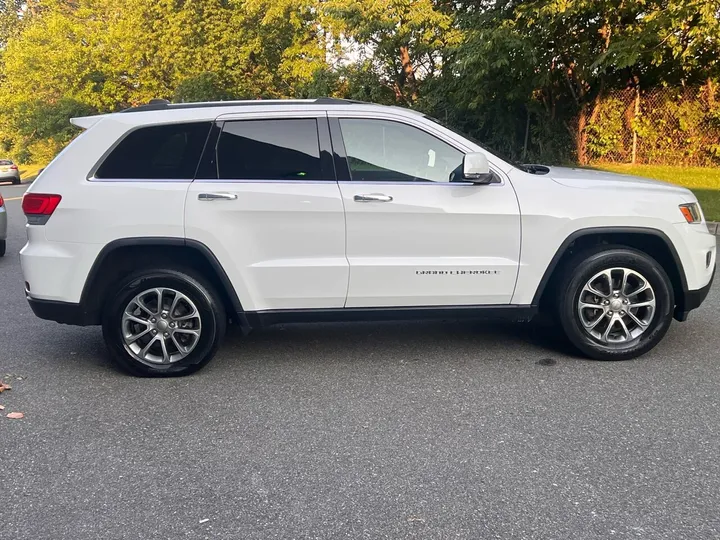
<point>395,430</point>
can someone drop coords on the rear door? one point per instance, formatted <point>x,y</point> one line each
<point>414,238</point>
<point>267,203</point>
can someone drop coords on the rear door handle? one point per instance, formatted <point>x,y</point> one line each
<point>372,197</point>
<point>217,197</point>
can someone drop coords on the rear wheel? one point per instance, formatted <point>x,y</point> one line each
<point>16,180</point>
<point>615,303</point>
<point>3,245</point>
<point>163,323</point>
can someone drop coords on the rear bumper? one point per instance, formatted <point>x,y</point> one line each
<point>62,312</point>
<point>693,300</point>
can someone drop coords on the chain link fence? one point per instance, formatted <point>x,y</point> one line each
<point>662,126</point>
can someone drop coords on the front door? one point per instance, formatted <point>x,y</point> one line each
<point>413,237</point>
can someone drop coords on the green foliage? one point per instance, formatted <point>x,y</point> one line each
<point>202,87</point>
<point>34,131</point>
<point>529,78</point>
<point>606,133</point>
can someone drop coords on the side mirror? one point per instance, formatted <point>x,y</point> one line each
<point>476,169</point>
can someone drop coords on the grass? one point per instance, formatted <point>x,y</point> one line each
<point>704,182</point>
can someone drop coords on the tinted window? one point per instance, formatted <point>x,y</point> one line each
<point>286,149</point>
<point>391,151</point>
<point>167,152</point>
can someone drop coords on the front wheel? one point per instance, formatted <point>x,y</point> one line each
<point>615,303</point>
<point>162,323</point>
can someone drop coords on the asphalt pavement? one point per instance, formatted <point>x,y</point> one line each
<point>395,430</point>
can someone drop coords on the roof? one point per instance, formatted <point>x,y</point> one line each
<point>158,108</point>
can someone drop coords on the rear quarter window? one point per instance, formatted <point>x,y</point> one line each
<point>168,152</point>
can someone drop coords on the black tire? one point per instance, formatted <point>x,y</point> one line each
<point>209,305</point>
<point>581,268</point>
<point>3,246</point>
<point>16,181</point>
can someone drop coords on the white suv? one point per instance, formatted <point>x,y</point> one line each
<point>164,222</point>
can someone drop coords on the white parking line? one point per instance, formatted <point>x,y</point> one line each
<point>14,199</point>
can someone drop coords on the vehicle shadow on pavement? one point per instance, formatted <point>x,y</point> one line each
<point>396,341</point>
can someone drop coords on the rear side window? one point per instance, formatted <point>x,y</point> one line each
<point>281,149</point>
<point>158,152</point>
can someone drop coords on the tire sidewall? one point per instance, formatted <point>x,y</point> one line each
<point>211,318</point>
<point>603,260</point>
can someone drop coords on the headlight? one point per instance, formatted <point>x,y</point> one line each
<point>691,212</point>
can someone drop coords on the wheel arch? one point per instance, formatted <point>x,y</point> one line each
<point>120,257</point>
<point>653,242</point>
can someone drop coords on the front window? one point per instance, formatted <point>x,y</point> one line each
<point>383,150</point>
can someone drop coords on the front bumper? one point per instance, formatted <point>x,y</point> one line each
<point>692,300</point>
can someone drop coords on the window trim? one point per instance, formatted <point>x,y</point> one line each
<point>91,176</point>
<point>343,167</point>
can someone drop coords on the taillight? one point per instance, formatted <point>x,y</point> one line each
<point>38,207</point>
<point>2,202</point>
<point>13,167</point>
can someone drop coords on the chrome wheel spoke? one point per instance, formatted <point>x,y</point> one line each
<point>641,324</point>
<point>644,287</point>
<point>159,293</point>
<point>626,274</point>
<point>133,318</point>
<point>188,316</point>
<point>146,349</point>
<point>590,325</point>
<point>141,304</point>
<point>648,303</point>
<point>134,337</point>
<point>624,327</point>
<point>181,348</point>
<point>165,354</point>
<point>593,290</point>
<point>195,333</point>
<point>609,328</point>
<point>174,304</point>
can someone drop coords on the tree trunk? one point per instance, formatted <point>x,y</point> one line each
<point>711,93</point>
<point>581,136</point>
<point>635,120</point>
<point>408,72</point>
<point>583,121</point>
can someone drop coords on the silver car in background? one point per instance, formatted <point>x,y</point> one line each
<point>9,171</point>
<point>3,226</point>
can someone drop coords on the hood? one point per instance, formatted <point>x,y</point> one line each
<point>589,178</point>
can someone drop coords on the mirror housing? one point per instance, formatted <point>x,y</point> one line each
<point>476,169</point>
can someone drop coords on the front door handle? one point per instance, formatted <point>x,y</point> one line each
<point>372,197</point>
<point>217,197</point>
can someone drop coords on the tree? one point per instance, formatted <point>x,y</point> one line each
<point>404,40</point>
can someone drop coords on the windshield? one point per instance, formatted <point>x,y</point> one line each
<point>532,169</point>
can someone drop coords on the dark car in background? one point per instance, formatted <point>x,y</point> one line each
<point>9,171</point>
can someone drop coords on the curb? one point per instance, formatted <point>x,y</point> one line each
<point>714,227</point>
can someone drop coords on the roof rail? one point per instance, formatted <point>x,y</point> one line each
<point>163,104</point>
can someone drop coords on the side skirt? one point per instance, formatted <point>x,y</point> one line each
<point>516,313</point>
